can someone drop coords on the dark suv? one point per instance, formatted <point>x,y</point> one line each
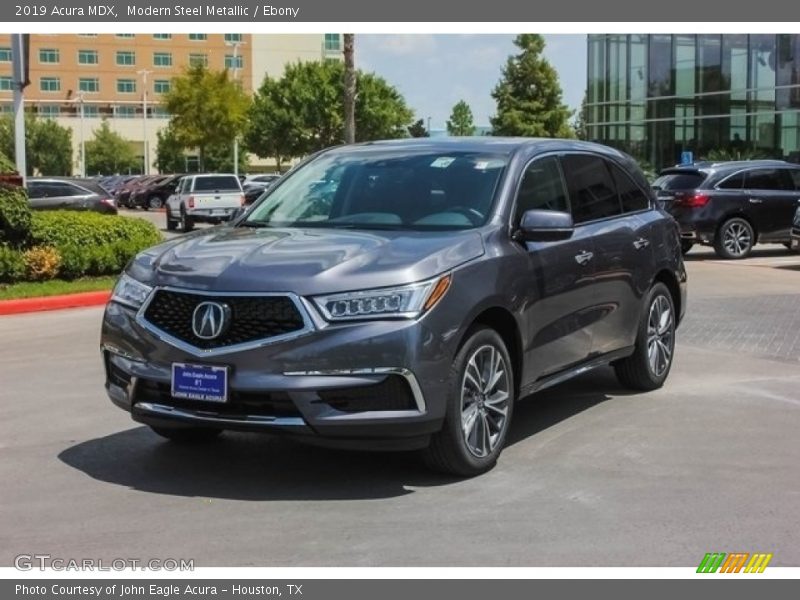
<point>731,205</point>
<point>402,295</point>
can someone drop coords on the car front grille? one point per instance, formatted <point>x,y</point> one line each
<point>252,318</point>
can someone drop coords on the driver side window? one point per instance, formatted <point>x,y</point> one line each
<point>542,188</point>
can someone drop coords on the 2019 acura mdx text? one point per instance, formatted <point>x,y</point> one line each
<point>402,295</point>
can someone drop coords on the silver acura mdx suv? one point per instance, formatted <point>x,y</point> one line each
<point>402,295</point>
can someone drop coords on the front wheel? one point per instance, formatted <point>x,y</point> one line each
<point>154,202</point>
<point>647,368</point>
<point>480,403</point>
<point>735,239</point>
<point>187,435</point>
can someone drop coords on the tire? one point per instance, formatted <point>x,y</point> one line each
<point>644,370</point>
<point>153,202</point>
<point>468,452</point>
<point>735,239</point>
<point>788,246</point>
<point>172,225</point>
<point>187,435</point>
<point>686,245</point>
<point>186,222</point>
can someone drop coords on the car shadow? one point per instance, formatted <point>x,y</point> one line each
<point>772,251</point>
<point>257,467</point>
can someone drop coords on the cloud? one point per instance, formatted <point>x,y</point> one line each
<point>408,44</point>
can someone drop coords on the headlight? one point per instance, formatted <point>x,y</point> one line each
<point>404,302</point>
<point>130,292</point>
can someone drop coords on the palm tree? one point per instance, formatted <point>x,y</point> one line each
<point>349,90</point>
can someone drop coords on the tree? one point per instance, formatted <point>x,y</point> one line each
<point>108,153</point>
<point>528,95</point>
<point>170,153</point>
<point>417,129</point>
<point>579,124</point>
<point>349,90</point>
<point>460,122</point>
<point>301,113</point>
<point>208,109</point>
<point>48,146</point>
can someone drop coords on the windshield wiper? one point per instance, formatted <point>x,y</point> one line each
<point>254,224</point>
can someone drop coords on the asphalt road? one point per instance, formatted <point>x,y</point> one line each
<point>593,476</point>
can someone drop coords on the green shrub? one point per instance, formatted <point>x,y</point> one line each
<point>90,243</point>
<point>41,263</point>
<point>12,264</point>
<point>15,214</point>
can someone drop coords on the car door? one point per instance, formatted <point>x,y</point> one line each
<point>620,246</point>
<point>554,280</point>
<point>772,198</point>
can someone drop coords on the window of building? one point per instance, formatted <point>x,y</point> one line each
<point>198,59</point>
<point>6,84</point>
<point>162,59</point>
<point>49,111</point>
<point>591,189</point>
<point>161,86</point>
<point>198,37</point>
<point>630,194</point>
<point>542,188</point>
<point>162,36</point>
<point>125,111</point>
<point>49,55</point>
<point>50,84</point>
<point>159,112</point>
<point>332,42</point>
<point>233,37</point>
<point>87,35</point>
<point>89,84</point>
<point>5,54</point>
<point>125,36</point>
<point>6,108</point>
<point>126,58</point>
<point>88,57</point>
<point>91,111</point>
<point>126,86</point>
<point>234,62</point>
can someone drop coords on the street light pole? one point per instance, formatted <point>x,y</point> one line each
<point>145,146</point>
<point>19,70</point>
<point>83,139</point>
<point>236,46</point>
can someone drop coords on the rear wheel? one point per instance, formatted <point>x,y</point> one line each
<point>686,245</point>
<point>154,202</point>
<point>172,224</point>
<point>187,435</point>
<point>647,368</point>
<point>186,222</point>
<point>480,403</point>
<point>735,239</point>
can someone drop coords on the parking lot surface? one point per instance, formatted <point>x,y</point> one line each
<point>593,475</point>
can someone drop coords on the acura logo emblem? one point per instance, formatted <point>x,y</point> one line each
<point>210,320</point>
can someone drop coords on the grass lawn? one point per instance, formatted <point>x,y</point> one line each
<point>54,287</point>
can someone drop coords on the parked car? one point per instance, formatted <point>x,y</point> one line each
<point>731,206</point>
<point>795,243</point>
<point>266,178</point>
<point>125,191</point>
<point>407,306</point>
<point>208,198</point>
<point>253,191</point>
<point>55,193</point>
<point>154,193</point>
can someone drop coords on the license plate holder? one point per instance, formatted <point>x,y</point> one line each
<point>207,383</point>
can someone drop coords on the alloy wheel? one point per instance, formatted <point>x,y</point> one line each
<point>660,335</point>
<point>485,394</point>
<point>737,239</point>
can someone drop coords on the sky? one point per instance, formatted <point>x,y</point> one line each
<point>434,71</point>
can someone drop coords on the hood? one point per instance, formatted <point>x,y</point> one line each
<point>304,261</point>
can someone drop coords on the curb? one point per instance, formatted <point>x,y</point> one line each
<point>27,305</point>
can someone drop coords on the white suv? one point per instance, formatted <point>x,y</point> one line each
<point>208,198</point>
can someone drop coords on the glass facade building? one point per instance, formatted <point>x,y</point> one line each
<point>718,96</point>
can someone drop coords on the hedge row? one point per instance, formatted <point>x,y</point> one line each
<point>66,244</point>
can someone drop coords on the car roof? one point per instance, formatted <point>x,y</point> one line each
<point>88,184</point>
<point>726,167</point>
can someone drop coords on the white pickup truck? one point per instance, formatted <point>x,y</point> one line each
<point>208,198</point>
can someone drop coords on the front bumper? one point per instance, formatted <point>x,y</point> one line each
<point>376,384</point>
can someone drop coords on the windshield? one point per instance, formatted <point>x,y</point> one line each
<point>372,189</point>
<point>680,180</point>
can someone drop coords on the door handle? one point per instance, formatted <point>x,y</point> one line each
<point>756,201</point>
<point>584,257</point>
<point>641,243</point>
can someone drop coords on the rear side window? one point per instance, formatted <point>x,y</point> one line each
<point>734,182</point>
<point>768,179</point>
<point>795,175</point>
<point>631,196</point>
<point>53,189</point>
<point>217,183</point>
<point>541,188</point>
<point>591,188</point>
<point>684,180</point>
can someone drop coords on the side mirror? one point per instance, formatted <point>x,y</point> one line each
<point>544,226</point>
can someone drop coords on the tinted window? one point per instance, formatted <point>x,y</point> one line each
<point>35,189</point>
<point>591,189</point>
<point>631,196</point>
<point>734,182</point>
<point>217,183</point>
<point>767,179</point>
<point>51,189</point>
<point>541,188</point>
<point>685,180</point>
<point>795,175</point>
